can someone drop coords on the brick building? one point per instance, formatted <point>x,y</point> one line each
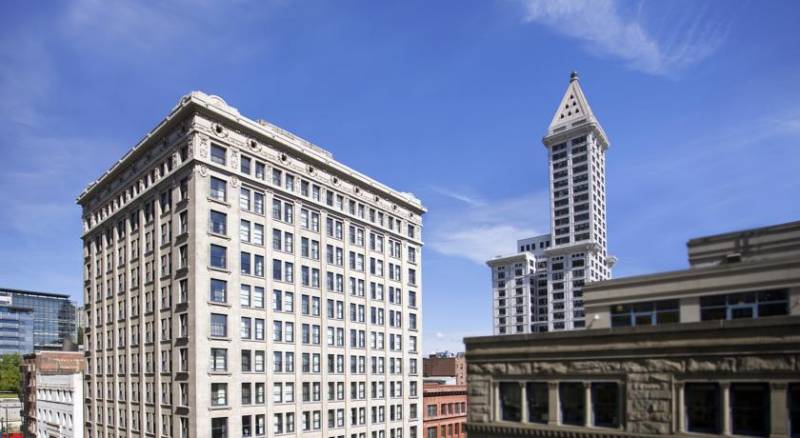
<point>446,365</point>
<point>445,411</point>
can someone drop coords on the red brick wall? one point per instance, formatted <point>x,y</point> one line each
<point>451,410</point>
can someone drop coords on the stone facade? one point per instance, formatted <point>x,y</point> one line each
<point>650,364</point>
<point>226,237</point>
<point>712,349</point>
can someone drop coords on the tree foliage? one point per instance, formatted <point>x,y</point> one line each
<point>10,373</point>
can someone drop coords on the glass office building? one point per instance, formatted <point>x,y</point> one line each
<point>53,316</point>
<point>16,330</point>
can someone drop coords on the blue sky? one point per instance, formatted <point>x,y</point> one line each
<point>446,99</point>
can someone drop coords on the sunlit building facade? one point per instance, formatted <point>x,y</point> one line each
<point>240,282</point>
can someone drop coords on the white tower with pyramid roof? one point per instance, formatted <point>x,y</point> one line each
<point>547,295</point>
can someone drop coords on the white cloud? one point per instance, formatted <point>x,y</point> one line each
<point>452,342</point>
<point>478,230</point>
<point>607,30</point>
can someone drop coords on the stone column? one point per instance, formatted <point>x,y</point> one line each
<point>552,403</point>
<point>495,401</point>
<point>680,409</point>
<point>587,404</point>
<point>778,409</point>
<point>523,403</point>
<point>726,407</point>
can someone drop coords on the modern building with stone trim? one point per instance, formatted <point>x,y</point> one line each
<point>539,288</point>
<point>712,350</point>
<point>240,282</point>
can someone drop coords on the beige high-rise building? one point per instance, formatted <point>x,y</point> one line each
<point>240,282</point>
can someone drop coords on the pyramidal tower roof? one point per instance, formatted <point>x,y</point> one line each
<point>574,111</point>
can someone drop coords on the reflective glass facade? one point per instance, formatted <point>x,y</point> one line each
<point>53,315</point>
<point>16,330</point>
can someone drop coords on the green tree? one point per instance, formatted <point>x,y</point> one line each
<point>10,373</point>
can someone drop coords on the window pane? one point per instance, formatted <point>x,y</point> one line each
<point>217,189</point>
<point>537,397</point>
<point>668,317</point>
<point>714,313</point>
<point>218,291</point>
<point>605,404</point>
<point>750,408</point>
<point>217,154</point>
<point>219,427</point>
<point>702,407</point>
<point>773,309</point>
<point>218,222</point>
<point>794,408</point>
<point>510,401</point>
<point>219,325</point>
<point>572,398</point>
<point>217,258</point>
<point>620,320</point>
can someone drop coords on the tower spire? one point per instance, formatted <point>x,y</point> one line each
<point>573,76</point>
<point>574,110</point>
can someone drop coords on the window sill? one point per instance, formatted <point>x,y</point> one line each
<point>221,236</point>
<point>219,201</point>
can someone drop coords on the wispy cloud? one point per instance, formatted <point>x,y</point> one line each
<point>479,230</point>
<point>608,29</point>
<point>450,341</point>
<point>458,196</point>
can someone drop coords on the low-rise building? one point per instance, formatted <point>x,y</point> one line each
<point>52,387</point>
<point>445,411</point>
<point>713,349</point>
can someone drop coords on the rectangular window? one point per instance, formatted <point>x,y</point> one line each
<point>745,305</point>
<point>750,409</point>
<point>258,234</point>
<point>217,154</point>
<point>218,222</point>
<point>219,426</point>
<point>572,403</point>
<point>536,394</point>
<point>605,404</point>
<point>218,293</point>
<point>510,401</point>
<point>258,297</point>
<point>219,394</point>
<point>793,400</point>
<point>218,256</point>
<point>647,313</point>
<point>702,408</point>
<point>219,325</point>
<point>219,359</point>
<point>217,189</point>
<point>244,263</point>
